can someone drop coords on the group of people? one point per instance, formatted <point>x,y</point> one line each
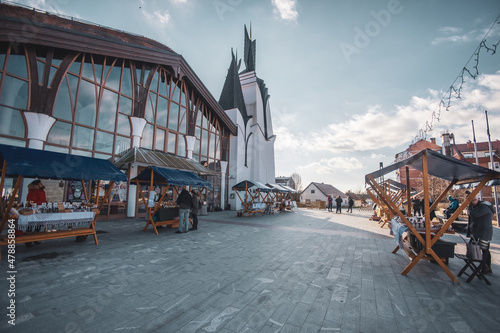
<point>189,204</point>
<point>419,207</point>
<point>338,201</point>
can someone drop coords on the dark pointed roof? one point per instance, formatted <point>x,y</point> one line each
<point>249,52</point>
<point>232,96</point>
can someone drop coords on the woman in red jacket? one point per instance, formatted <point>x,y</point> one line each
<point>36,192</point>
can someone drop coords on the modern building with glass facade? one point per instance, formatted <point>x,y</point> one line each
<point>82,89</point>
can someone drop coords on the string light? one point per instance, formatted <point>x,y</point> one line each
<point>470,69</point>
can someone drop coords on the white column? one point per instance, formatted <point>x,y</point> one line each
<point>137,125</point>
<point>190,141</point>
<point>38,126</point>
<point>223,168</point>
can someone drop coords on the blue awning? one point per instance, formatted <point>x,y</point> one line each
<point>171,177</point>
<point>247,184</point>
<point>43,164</point>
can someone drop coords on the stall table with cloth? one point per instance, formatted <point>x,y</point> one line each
<point>448,168</point>
<point>248,201</point>
<point>18,162</point>
<point>156,176</point>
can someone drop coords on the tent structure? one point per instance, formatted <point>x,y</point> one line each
<point>431,163</point>
<point>396,191</point>
<point>163,177</point>
<point>250,200</point>
<point>18,162</point>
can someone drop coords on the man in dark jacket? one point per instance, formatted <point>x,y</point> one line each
<point>339,204</point>
<point>350,202</point>
<point>194,209</point>
<point>481,227</point>
<point>184,201</point>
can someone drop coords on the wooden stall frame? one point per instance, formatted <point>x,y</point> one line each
<point>246,205</point>
<point>430,240</point>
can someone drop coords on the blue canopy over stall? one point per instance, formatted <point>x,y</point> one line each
<point>34,163</point>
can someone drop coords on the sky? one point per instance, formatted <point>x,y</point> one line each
<point>352,83</point>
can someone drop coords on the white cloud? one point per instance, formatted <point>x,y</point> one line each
<point>377,156</point>
<point>286,9</point>
<point>450,30</point>
<point>379,128</point>
<point>157,16</point>
<point>456,38</point>
<point>332,165</point>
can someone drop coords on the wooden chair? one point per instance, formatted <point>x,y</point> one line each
<point>476,266</point>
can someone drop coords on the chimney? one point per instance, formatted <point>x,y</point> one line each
<point>446,147</point>
<point>470,145</point>
<point>433,140</point>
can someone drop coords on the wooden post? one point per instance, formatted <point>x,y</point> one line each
<point>11,201</point>
<point>408,191</point>
<point>2,181</point>
<point>85,191</point>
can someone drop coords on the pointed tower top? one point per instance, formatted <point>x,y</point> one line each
<point>249,51</point>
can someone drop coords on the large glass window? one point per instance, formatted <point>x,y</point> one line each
<point>147,137</point>
<point>107,110</point>
<point>83,137</point>
<point>11,122</point>
<point>14,92</point>
<point>16,65</point>
<point>86,106</point>
<point>104,142</point>
<point>60,133</point>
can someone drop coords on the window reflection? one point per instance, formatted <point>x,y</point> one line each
<point>83,137</point>
<point>11,122</point>
<point>60,133</point>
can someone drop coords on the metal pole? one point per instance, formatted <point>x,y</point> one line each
<point>475,153</point>
<point>492,164</point>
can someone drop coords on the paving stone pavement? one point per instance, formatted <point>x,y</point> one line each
<point>310,271</point>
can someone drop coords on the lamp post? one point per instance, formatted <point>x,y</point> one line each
<point>492,165</point>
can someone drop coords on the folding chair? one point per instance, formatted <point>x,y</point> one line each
<point>475,264</point>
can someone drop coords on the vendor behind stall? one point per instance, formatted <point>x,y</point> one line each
<point>36,192</point>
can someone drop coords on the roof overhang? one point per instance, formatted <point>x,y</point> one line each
<point>147,157</point>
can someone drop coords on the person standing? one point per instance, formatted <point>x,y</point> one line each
<point>36,192</point>
<point>416,206</point>
<point>481,227</point>
<point>184,201</point>
<point>194,209</point>
<point>339,204</point>
<point>350,204</point>
<point>330,203</point>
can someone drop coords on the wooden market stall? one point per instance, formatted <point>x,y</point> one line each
<point>282,196</point>
<point>163,177</point>
<point>431,163</point>
<point>20,163</point>
<point>250,202</point>
<point>394,190</point>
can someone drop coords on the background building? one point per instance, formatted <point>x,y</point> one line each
<point>245,99</point>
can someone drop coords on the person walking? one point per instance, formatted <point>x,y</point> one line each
<point>481,227</point>
<point>330,203</point>
<point>194,209</point>
<point>350,204</point>
<point>339,204</point>
<point>184,201</point>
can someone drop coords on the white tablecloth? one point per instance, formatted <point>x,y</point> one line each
<point>55,220</point>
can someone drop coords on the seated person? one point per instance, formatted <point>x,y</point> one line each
<point>452,207</point>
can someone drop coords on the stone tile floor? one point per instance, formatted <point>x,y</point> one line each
<point>310,271</point>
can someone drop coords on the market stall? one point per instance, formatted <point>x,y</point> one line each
<point>168,213</point>
<point>396,192</point>
<point>280,197</point>
<point>431,163</point>
<point>253,192</point>
<point>20,163</point>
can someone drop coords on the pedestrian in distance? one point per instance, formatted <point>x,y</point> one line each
<point>350,204</point>
<point>416,206</point>
<point>339,204</point>
<point>185,203</point>
<point>330,203</point>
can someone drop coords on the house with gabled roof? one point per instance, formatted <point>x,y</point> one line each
<point>320,192</point>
